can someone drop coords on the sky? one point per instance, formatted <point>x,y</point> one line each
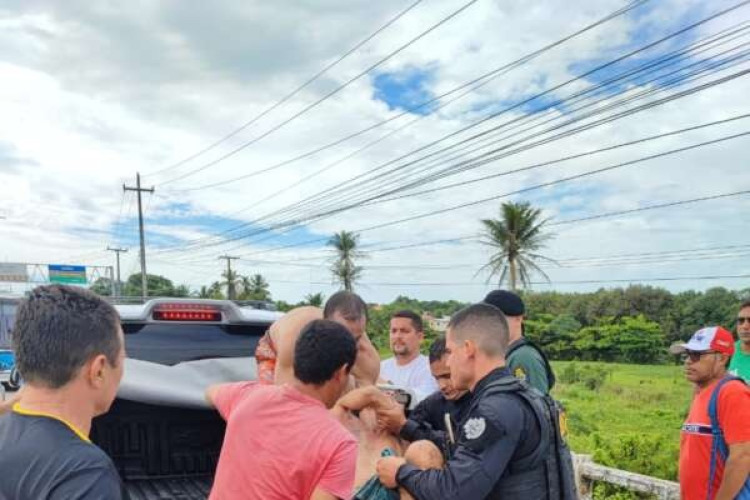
<point>93,93</point>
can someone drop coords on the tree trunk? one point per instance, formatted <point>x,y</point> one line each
<point>513,278</point>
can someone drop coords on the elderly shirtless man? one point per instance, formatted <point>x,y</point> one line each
<point>275,357</point>
<point>275,352</point>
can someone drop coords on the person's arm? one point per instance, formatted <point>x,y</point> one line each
<point>736,470</point>
<point>223,397</point>
<point>364,397</point>
<point>366,369</point>
<point>417,427</point>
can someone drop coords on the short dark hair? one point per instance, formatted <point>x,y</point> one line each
<point>322,348</point>
<point>745,304</point>
<point>349,304</point>
<point>437,349</point>
<point>484,324</point>
<point>416,319</point>
<point>58,329</point>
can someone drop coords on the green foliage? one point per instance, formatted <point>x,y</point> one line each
<point>102,286</point>
<point>592,377</point>
<point>315,299</point>
<point>157,286</point>
<point>678,315</point>
<point>631,422</point>
<point>254,288</point>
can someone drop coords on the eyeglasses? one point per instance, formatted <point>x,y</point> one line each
<point>695,356</point>
<point>743,319</point>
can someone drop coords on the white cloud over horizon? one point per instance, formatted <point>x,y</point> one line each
<point>91,93</point>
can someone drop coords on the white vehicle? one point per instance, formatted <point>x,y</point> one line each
<point>160,432</point>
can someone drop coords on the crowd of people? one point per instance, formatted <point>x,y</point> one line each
<point>324,418</point>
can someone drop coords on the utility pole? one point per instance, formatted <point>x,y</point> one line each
<point>230,287</point>
<point>138,189</point>
<point>118,286</point>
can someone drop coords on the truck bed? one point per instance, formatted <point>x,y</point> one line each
<point>178,488</point>
<point>161,452</point>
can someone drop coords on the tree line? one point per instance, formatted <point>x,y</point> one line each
<point>630,325</point>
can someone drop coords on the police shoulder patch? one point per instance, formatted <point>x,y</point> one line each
<point>475,427</point>
<point>519,373</point>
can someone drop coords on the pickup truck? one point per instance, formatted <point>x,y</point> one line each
<point>8,376</point>
<point>160,433</point>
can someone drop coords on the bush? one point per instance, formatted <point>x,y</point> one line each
<point>592,377</point>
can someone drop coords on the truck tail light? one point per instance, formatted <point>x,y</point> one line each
<point>186,312</point>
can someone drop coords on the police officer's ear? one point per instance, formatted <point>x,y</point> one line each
<point>470,348</point>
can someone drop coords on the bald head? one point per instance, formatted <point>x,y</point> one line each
<point>483,324</point>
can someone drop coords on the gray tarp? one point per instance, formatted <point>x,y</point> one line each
<point>182,384</point>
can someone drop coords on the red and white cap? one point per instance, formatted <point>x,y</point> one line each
<point>712,338</point>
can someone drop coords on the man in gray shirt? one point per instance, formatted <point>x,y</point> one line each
<point>69,346</point>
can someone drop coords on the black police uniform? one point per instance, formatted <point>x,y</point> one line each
<point>498,433</point>
<point>427,421</point>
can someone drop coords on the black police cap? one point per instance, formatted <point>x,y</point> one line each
<point>508,302</point>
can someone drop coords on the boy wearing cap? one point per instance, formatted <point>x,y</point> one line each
<point>704,473</point>
<point>524,358</point>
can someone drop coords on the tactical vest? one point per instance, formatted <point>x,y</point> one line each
<point>547,472</point>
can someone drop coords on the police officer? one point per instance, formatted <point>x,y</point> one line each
<point>500,446</point>
<point>429,420</point>
<point>524,358</point>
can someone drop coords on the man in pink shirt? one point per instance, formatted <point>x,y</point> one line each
<point>282,442</point>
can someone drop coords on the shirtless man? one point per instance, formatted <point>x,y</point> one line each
<point>275,357</point>
<point>275,352</point>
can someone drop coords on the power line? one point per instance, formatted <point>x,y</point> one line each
<point>472,85</point>
<point>291,94</point>
<point>348,184</point>
<point>598,216</point>
<point>325,97</point>
<point>695,89</point>
<point>647,106</point>
<point>588,126</point>
<point>486,158</point>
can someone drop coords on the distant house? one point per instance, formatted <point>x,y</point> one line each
<point>437,324</point>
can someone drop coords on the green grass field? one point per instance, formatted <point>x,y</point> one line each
<point>632,421</point>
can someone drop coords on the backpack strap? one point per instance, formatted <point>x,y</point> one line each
<point>718,445</point>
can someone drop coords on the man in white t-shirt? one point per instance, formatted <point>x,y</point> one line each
<point>408,368</point>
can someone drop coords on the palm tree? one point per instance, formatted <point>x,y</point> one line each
<point>257,287</point>
<point>516,236</point>
<point>315,299</point>
<point>233,280</point>
<point>344,269</point>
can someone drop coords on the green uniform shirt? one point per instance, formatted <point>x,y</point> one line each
<point>527,364</point>
<point>740,365</point>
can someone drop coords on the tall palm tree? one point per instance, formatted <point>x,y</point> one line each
<point>232,281</point>
<point>344,268</point>
<point>516,236</point>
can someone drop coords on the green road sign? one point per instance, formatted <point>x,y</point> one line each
<point>67,275</point>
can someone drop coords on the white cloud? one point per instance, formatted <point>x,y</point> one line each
<point>93,93</point>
